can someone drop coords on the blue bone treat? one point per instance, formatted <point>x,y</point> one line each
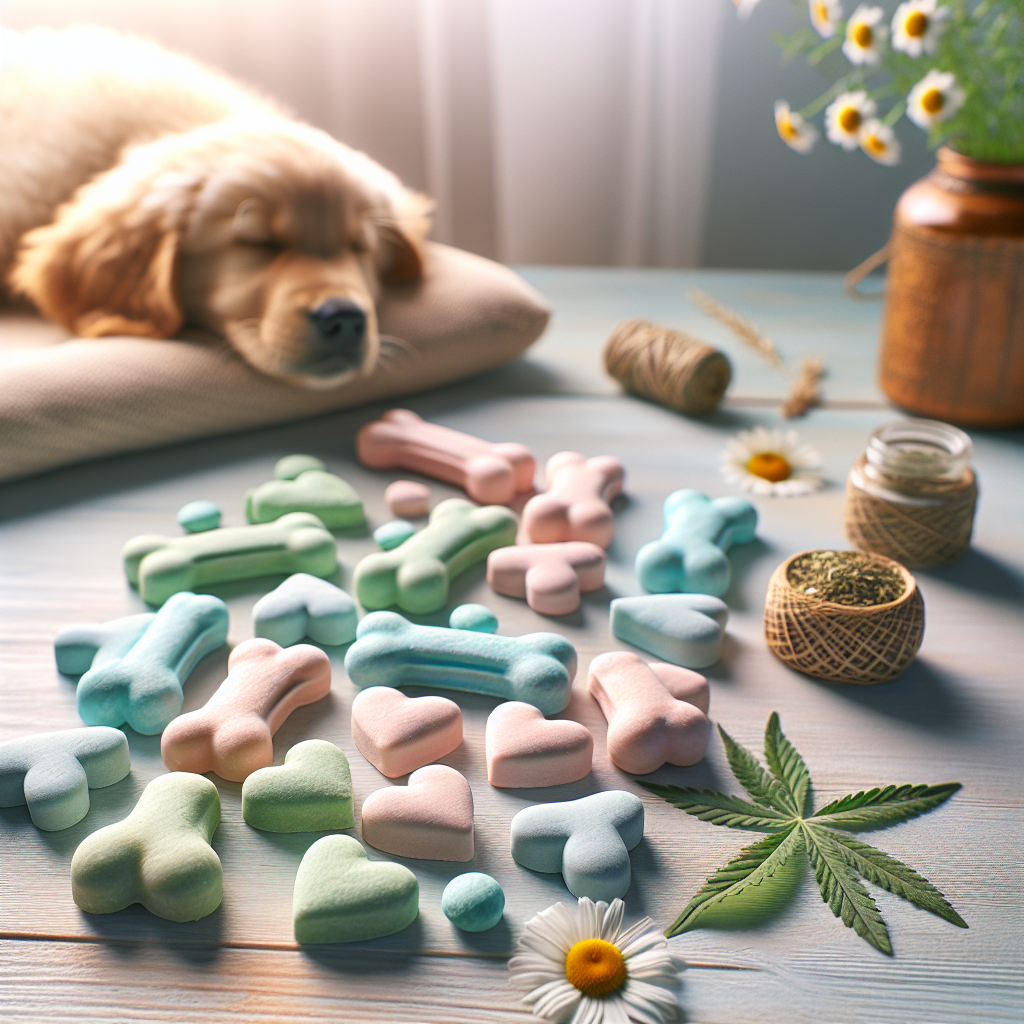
<point>52,772</point>
<point>685,629</point>
<point>88,645</point>
<point>587,840</point>
<point>690,557</point>
<point>143,686</point>
<point>305,606</point>
<point>391,651</point>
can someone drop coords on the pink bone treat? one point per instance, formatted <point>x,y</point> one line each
<point>232,734</point>
<point>407,499</point>
<point>491,474</point>
<point>526,750</point>
<point>550,576</point>
<point>575,505</point>
<point>430,819</point>
<point>656,713</point>
<point>398,734</point>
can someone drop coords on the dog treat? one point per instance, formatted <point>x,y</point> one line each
<point>473,902</point>
<point>232,734</point>
<point>407,499</point>
<point>305,606</point>
<point>302,484</point>
<point>143,686</point>
<point>52,772</point>
<point>341,896</point>
<point>686,629</point>
<point>416,575</point>
<point>656,713</point>
<point>491,474</point>
<point>310,792</point>
<point>575,505</point>
<point>390,651</point>
<point>391,535</point>
<point>525,750</point>
<point>398,734</point>
<point>88,645</point>
<point>690,557</point>
<point>198,516</point>
<point>550,576</point>
<point>290,467</point>
<point>430,819</point>
<point>162,566</point>
<point>477,618</point>
<point>587,840</point>
<point>159,856</point>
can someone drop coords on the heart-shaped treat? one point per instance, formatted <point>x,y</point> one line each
<point>525,750</point>
<point>340,896</point>
<point>430,819</point>
<point>332,500</point>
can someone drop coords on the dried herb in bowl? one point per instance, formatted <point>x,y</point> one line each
<point>845,577</point>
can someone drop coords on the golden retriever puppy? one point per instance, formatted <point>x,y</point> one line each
<point>141,192</point>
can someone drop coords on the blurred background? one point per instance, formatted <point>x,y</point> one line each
<point>584,132</point>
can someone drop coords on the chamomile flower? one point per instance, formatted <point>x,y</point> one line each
<point>794,131</point>
<point>744,8</point>
<point>864,36</point>
<point>584,967</point>
<point>772,462</point>
<point>917,25</point>
<point>825,16</point>
<point>880,143</point>
<point>937,97</point>
<point>846,116</point>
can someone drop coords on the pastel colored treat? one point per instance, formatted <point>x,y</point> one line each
<point>416,575</point>
<point>159,856</point>
<point>429,819</point>
<point>162,566</point>
<point>473,902</point>
<point>198,516</point>
<point>550,576</point>
<point>310,792</point>
<point>305,606</point>
<point>88,645</point>
<point>288,467</point>
<point>390,535</point>
<point>390,651</point>
<point>52,772</point>
<point>575,505</point>
<point>525,750</point>
<point>332,500</point>
<point>492,474</point>
<point>407,499</point>
<point>143,687</point>
<point>477,618</point>
<point>341,896</point>
<point>686,629</point>
<point>398,734</point>
<point>649,722</point>
<point>587,840</point>
<point>690,557</point>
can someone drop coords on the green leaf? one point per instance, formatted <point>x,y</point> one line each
<point>721,809</point>
<point>878,808</point>
<point>764,790</point>
<point>786,764</point>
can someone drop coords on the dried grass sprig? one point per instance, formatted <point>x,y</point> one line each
<point>804,389</point>
<point>743,329</point>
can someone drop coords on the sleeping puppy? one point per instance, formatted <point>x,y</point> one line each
<point>141,193</point>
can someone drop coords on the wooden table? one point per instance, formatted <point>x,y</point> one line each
<point>957,714</point>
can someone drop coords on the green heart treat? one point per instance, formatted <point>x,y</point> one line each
<point>302,484</point>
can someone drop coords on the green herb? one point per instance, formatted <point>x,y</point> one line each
<point>781,798</point>
<point>845,577</point>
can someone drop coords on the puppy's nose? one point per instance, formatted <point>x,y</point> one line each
<point>341,324</point>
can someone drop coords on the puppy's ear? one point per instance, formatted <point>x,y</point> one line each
<point>403,235</point>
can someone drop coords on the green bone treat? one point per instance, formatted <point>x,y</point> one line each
<point>302,484</point>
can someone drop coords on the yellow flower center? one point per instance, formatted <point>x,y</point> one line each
<point>595,967</point>
<point>874,144</point>
<point>863,35</point>
<point>849,120</point>
<point>768,466</point>
<point>933,101</point>
<point>786,129</point>
<point>916,24</point>
<point>821,13</point>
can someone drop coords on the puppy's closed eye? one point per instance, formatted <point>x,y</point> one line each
<point>252,223</point>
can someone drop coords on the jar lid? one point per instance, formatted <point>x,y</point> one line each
<point>919,450</point>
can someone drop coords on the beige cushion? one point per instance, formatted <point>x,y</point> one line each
<point>80,399</point>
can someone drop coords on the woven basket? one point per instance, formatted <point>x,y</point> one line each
<point>842,643</point>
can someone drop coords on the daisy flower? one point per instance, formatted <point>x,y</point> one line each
<point>917,25</point>
<point>794,131</point>
<point>935,98</point>
<point>846,116</point>
<point>772,462</point>
<point>585,969</point>
<point>879,142</point>
<point>864,36</point>
<point>744,8</point>
<point>825,16</point>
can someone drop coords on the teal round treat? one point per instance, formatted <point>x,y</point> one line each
<point>474,617</point>
<point>291,466</point>
<point>473,902</point>
<point>199,516</point>
<point>392,534</point>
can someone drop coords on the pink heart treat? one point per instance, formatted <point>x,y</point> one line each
<point>525,750</point>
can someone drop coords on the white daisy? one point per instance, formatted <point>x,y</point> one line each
<point>744,8</point>
<point>584,969</point>
<point>772,462</point>
<point>846,116</point>
<point>864,36</point>
<point>880,143</point>
<point>935,98</point>
<point>825,16</point>
<point>794,131</point>
<point>917,25</point>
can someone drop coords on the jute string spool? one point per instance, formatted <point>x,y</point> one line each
<point>843,643</point>
<point>667,366</point>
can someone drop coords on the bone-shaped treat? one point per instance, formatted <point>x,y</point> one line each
<point>575,505</point>
<point>656,713</point>
<point>141,684</point>
<point>390,651</point>
<point>416,575</point>
<point>587,840</point>
<point>690,557</point>
<point>162,566</point>
<point>52,772</point>
<point>302,484</point>
<point>686,629</point>
<point>159,856</point>
<point>305,606</point>
<point>492,474</point>
<point>550,576</point>
<point>232,734</point>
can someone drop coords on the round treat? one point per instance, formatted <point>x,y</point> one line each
<point>407,499</point>
<point>199,516</point>
<point>474,617</point>
<point>473,902</point>
<point>390,535</point>
<point>291,466</point>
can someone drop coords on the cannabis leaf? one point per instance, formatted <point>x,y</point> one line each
<point>782,797</point>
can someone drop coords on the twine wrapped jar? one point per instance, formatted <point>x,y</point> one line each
<point>844,643</point>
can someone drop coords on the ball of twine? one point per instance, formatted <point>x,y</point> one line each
<point>667,366</point>
<point>843,643</point>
